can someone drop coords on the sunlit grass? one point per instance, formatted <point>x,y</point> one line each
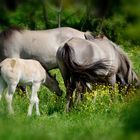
<point>91,119</point>
<point>96,117</point>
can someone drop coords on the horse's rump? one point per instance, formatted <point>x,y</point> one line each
<point>89,71</point>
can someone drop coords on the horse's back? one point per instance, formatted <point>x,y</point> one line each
<point>52,37</point>
<point>86,51</point>
<point>40,44</point>
<point>82,50</point>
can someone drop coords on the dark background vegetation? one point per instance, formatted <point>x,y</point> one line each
<point>119,20</point>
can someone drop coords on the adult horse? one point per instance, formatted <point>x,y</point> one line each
<point>24,71</point>
<point>128,78</point>
<point>40,45</point>
<point>98,60</point>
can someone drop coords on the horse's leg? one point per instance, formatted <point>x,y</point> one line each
<point>2,86</point>
<point>69,93</point>
<point>34,99</point>
<point>9,96</point>
<point>24,90</point>
<point>78,93</point>
<point>112,81</point>
<point>80,90</point>
<point>122,83</point>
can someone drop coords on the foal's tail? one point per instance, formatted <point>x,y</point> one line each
<point>101,67</point>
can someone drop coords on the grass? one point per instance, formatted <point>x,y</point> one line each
<point>102,119</point>
<point>110,123</point>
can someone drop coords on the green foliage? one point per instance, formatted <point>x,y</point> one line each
<point>97,116</point>
<point>99,120</point>
<point>131,116</point>
<point>119,23</point>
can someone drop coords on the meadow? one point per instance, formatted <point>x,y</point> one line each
<point>101,119</point>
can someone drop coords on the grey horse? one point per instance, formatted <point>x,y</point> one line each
<point>98,60</point>
<point>40,45</point>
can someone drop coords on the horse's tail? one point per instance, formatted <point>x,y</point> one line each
<point>67,57</point>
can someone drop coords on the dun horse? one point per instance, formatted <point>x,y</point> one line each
<point>98,60</point>
<point>16,70</point>
<point>40,45</point>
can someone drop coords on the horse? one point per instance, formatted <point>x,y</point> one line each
<point>99,60</point>
<point>120,76</point>
<point>17,70</point>
<point>40,45</point>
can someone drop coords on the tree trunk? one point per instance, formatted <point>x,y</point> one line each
<point>45,13</point>
<point>59,12</point>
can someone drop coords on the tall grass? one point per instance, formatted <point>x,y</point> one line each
<point>101,119</point>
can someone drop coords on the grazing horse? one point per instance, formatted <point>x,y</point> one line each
<point>16,70</point>
<point>99,60</point>
<point>40,45</point>
<point>124,78</point>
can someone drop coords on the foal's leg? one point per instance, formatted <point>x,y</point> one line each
<point>9,96</point>
<point>34,99</point>
<point>2,86</point>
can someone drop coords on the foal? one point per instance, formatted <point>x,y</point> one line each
<point>16,70</point>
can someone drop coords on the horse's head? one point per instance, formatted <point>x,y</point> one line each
<point>135,80</point>
<point>53,85</point>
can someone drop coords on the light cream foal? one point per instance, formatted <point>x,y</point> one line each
<point>16,70</point>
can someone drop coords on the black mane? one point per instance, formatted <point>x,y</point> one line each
<point>9,31</point>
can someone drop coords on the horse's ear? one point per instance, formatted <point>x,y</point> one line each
<point>89,35</point>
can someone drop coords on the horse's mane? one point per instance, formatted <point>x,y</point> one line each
<point>91,36</point>
<point>9,31</point>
